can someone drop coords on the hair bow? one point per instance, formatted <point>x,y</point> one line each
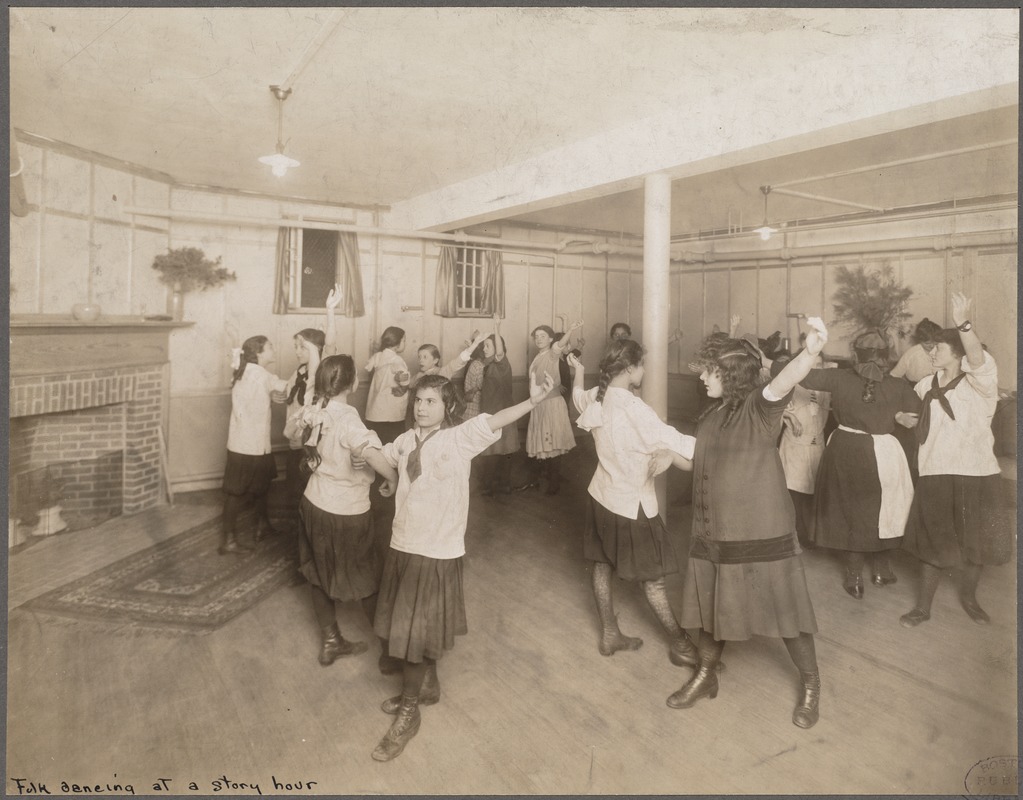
<point>236,357</point>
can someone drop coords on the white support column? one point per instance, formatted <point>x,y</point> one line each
<point>656,301</point>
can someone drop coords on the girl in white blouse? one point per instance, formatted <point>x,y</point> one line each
<point>250,463</point>
<point>949,524</point>
<point>387,399</point>
<point>623,531</point>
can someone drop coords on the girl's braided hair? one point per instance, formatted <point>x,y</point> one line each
<point>335,374</point>
<point>619,356</point>
<point>251,348</point>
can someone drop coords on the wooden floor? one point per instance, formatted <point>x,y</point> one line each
<point>528,706</point>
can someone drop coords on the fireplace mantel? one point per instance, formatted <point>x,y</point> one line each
<point>58,344</point>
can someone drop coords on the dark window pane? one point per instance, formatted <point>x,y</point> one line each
<point>319,266</point>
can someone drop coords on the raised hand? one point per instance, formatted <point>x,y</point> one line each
<point>733,324</point>
<point>960,308</point>
<point>334,297</point>
<point>576,325</point>
<point>573,362</point>
<point>816,337</point>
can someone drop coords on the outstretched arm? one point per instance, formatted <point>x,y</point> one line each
<point>509,415</point>
<point>971,342</point>
<point>800,366</point>
<point>376,460</point>
<point>333,301</point>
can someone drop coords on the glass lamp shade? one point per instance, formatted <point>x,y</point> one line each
<point>279,163</point>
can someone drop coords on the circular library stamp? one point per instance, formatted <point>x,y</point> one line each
<point>995,775</point>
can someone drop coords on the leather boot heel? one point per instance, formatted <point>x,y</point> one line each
<point>703,684</point>
<point>404,727</point>
<point>853,584</point>
<point>807,712</point>
<point>334,646</point>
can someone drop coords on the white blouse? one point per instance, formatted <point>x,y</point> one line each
<point>964,445</point>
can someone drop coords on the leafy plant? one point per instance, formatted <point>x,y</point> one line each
<point>872,299</point>
<point>189,269</point>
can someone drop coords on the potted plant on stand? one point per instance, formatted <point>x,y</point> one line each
<point>872,300</point>
<point>187,269</point>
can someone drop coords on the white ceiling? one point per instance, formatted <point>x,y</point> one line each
<point>395,105</point>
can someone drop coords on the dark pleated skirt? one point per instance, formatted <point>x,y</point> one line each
<point>734,602</point>
<point>336,552</point>
<point>638,549</point>
<point>249,474</point>
<point>421,608</point>
<point>848,498</point>
<point>951,520</point>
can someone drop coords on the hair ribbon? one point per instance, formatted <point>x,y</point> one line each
<point>236,357</point>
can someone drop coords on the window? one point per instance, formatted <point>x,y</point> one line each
<point>316,253</point>
<point>469,276</point>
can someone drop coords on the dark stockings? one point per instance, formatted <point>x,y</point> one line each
<point>611,637</point>
<point>682,651</point>
<point>704,682</point>
<point>804,656</point>
<point>968,593</point>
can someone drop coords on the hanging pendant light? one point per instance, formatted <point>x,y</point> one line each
<point>765,230</point>
<point>278,162</point>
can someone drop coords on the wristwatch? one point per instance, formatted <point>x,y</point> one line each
<point>966,327</point>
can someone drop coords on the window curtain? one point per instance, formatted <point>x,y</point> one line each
<point>493,284</point>
<point>445,300</point>
<point>282,276</point>
<point>349,274</point>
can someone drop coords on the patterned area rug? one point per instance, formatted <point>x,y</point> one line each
<point>181,585</point>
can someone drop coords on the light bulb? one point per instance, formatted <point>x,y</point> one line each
<point>279,170</point>
<point>279,163</point>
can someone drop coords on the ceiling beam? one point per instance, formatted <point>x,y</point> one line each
<point>683,144</point>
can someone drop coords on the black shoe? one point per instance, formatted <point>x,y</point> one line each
<point>853,584</point>
<point>972,607</point>
<point>914,618</point>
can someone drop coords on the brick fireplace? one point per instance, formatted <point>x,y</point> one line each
<point>87,405</point>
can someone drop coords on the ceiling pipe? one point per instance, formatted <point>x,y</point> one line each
<point>312,49</point>
<point>900,162</point>
<point>936,243</point>
<point>326,225</point>
<point>822,199</point>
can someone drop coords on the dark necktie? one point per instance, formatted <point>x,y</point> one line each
<point>936,393</point>
<point>414,466</point>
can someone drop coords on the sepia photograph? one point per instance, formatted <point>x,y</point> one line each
<point>535,401</point>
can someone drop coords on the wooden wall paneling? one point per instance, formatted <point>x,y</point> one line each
<point>618,305</point>
<point>198,436</point>
<point>25,233</point>
<point>994,312</point>
<point>839,336</point>
<point>111,267</point>
<point>771,287</point>
<point>690,316</point>
<point>515,326</point>
<point>595,316</point>
<point>715,301</point>
<point>569,294</point>
<point>636,304</point>
<point>111,191</point>
<point>743,301</point>
<point>149,296</point>
<point>924,273</point>
<point>65,264</point>
<point>66,183</point>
